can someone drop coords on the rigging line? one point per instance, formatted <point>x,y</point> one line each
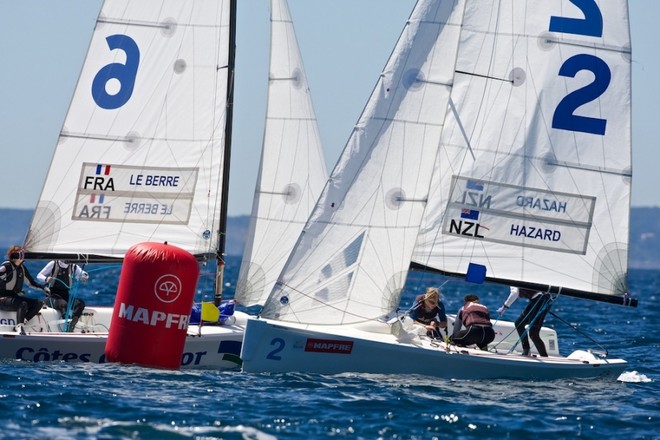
<point>543,307</point>
<point>578,331</point>
<point>461,127</point>
<point>73,296</point>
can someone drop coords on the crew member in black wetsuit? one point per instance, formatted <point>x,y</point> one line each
<point>533,315</point>
<point>12,275</point>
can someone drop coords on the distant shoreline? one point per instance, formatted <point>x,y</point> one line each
<point>644,234</point>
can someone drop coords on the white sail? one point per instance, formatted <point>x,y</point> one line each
<point>533,178</point>
<point>141,152</point>
<point>351,260</point>
<point>292,170</point>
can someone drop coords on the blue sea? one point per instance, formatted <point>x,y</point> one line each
<point>111,401</point>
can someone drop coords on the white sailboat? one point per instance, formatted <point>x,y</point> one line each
<point>143,156</point>
<point>497,142</point>
<point>292,170</point>
<point>291,175</point>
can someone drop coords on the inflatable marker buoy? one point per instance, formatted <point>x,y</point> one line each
<point>152,309</point>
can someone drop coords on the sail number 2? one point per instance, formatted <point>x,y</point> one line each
<point>113,73</point>
<point>592,26</point>
<point>278,343</point>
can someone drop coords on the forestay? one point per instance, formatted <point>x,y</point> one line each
<point>141,152</point>
<point>292,172</point>
<point>351,260</point>
<point>533,178</point>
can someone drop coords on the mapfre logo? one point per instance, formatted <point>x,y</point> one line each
<point>329,346</point>
<point>167,288</point>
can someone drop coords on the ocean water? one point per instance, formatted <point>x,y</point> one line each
<point>109,401</point>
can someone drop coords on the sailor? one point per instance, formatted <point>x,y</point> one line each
<point>12,275</point>
<point>428,311</point>
<point>533,316</point>
<point>476,320</point>
<point>59,275</point>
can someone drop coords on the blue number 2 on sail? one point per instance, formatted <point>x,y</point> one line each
<point>123,73</point>
<point>591,26</point>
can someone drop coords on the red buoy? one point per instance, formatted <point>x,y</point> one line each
<point>152,309</point>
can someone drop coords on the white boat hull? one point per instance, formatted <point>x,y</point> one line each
<point>207,346</point>
<point>272,346</point>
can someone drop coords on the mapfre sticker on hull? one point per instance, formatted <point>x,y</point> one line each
<point>329,346</point>
<point>135,194</point>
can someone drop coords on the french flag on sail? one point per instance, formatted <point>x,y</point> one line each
<point>94,198</point>
<point>102,169</point>
<point>470,214</point>
<point>473,184</point>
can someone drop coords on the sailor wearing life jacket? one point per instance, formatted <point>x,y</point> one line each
<point>429,312</point>
<point>59,275</point>
<point>476,320</point>
<point>533,316</point>
<point>12,275</point>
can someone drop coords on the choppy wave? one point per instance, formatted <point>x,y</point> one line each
<point>106,401</point>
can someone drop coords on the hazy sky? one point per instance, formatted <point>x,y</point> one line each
<point>344,44</point>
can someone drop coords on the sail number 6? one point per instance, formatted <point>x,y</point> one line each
<point>123,74</point>
<point>591,26</point>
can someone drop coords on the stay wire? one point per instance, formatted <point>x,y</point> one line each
<point>73,294</point>
<point>578,331</point>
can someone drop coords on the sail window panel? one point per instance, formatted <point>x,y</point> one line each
<point>345,259</point>
<point>330,294</point>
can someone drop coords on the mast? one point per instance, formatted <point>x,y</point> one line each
<point>222,227</point>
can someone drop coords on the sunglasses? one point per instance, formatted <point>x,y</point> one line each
<point>18,255</point>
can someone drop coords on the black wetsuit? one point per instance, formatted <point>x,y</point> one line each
<point>11,284</point>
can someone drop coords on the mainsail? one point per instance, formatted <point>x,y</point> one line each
<point>292,171</point>
<point>140,156</point>
<point>350,262</point>
<point>533,178</point>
